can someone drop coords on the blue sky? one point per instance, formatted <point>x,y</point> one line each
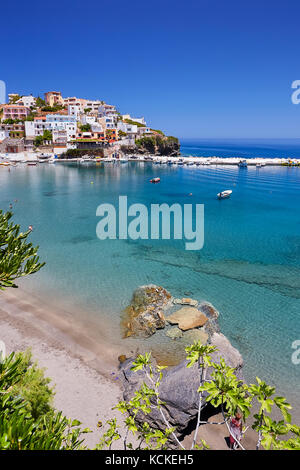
<point>205,68</point>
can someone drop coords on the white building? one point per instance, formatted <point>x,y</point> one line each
<point>27,101</point>
<point>127,128</point>
<point>139,120</point>
<point>86,119</point>
<point>93,106</point>
<point>144,131</point>
<point>107,110</point>
<point>3,134</point>
<point>52,123</point>
<point>108,122</point>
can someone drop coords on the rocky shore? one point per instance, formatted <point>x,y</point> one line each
<point>184,320</point>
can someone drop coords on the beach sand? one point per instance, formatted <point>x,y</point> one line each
<point>85,378</point>
<point>84,372</point>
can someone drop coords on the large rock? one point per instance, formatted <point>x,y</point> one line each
<point>225,349</point>
<point>178,389</point>
<point>145,314</point>
<point>187,318</point>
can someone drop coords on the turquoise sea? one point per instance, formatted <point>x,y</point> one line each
<point>249,267</point>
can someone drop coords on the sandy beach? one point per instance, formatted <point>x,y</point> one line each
<point>86,382</point>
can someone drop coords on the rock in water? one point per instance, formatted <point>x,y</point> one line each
<point>145,314</point>
<point>186,301</point>
<point>187,318</point>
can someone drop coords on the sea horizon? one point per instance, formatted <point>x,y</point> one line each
<point>241,147</point>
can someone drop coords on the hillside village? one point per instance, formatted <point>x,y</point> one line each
<point>74,126</point>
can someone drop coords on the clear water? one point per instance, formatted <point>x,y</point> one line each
<point>249,267</point>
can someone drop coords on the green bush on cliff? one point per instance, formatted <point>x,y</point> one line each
<point>159,144</point>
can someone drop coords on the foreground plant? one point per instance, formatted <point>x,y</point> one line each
<point>18,258</point>
<point>19,428</point>
<point>223,390</point>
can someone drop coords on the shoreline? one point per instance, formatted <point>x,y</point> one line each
<point>180,159</point>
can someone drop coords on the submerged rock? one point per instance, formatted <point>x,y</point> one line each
<point>187,318</point>
<point>186,301</point>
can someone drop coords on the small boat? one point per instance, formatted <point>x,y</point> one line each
<point>180,161</point>
<point>155,180</point>
<point>243,164</point>
<point>224,194</point>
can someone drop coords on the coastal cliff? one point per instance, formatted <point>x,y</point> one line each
<point>157,144</point>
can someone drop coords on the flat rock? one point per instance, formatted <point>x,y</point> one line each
<point>187,318</point>
<point>174,333</point>
<point>186,301</point>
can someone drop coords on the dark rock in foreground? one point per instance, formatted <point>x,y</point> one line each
<point>179,386</point>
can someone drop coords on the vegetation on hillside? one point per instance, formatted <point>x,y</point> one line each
<point>157,144</point>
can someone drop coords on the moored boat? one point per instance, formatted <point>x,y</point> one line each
<point>155,180</point>
<point>224,194</point>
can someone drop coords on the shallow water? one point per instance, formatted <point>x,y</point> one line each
<point>249,267</point>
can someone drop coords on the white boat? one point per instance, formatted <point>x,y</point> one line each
<point>224,194</point>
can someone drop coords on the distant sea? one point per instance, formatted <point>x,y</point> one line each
<point>245,148</point>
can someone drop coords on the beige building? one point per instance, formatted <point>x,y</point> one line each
<point>54,98</point>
